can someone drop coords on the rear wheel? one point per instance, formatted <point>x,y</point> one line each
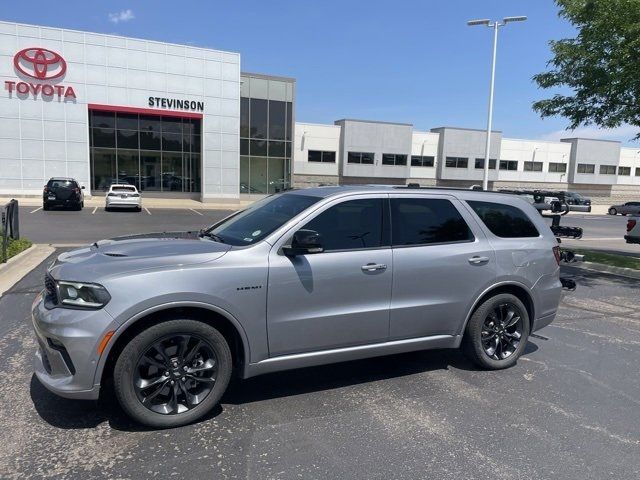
<point>497,332</point>
<point>613,211</point>
<point>45,206</point>
<point>172,373</point>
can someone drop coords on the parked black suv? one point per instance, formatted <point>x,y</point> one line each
<point>62,192</point>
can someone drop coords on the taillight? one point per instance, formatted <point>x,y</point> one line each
<point>46,189</point>
<point>630,225</point>
<point>76,191</point>
<point>556,253</point>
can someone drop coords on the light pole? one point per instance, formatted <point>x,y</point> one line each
<point>495,25</point>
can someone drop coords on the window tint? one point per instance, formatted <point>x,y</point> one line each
<point>422,161</point>
<point>456,162</point>
<point>508,165</point>
<point>557,167</point>
<point>419,221</point>
<point>607,169</point>
<point>532,166</point>
<point>624,171</point>
<point>480,163</point>
<point>350,225</point>
<point>586,168</point>
<point>504,220</point>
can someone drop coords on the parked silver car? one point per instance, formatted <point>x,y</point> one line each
<point>299,278</point>
<point>629,208</point>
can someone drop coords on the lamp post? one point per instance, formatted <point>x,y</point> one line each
<point>495,25</point>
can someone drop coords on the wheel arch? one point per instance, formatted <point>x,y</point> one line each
<point>222,320</point>
<point>516,289</point>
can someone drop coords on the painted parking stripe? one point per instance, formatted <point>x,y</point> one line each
<point>195,211</point>
<point>34,211</point>
<point>147,210</point>
<point>94,211</point>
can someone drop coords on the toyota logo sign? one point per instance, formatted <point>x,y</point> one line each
<point>40,63</point>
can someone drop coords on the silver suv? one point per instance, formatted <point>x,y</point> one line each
<point>300,278</point>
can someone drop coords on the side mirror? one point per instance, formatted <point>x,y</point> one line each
<point>304,242</point>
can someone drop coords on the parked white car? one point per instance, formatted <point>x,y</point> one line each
<point>123,196</point>
<point>633,230</point>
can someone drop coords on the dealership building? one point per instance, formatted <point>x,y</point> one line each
<point>185,122</point>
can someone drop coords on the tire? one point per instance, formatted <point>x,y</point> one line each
<point>134,360</point>
<point>106,209</point>
<point>476,349</point>
<point>45,207</point>
<point>613,211</point>
<point>138,209</point>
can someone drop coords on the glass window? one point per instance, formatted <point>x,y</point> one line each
<point>277,120</point>
<point>103,119</point>
<point>261,218</point>
<point>360,157</point>
<point>276,149</point>
<point>394,159</point>
<point>290,125</point>
<point>172,172</point>
<point>171,125</point>
<point>150,140</point>
<point>532,166</point>
<point>150,169</point>
<point>422,161</point>
<point>258,116</point>
<point>625,171</point>
<point>258,179</point>
<point>128,167</point>
<point>103,168</point>
<point>557,167</point>
<point>103,137</point>
<point>504,221</point>
<point>508,165</point>
<point>127,138</point>
<point>277,175</point>
<point>244,117</point>
<point>480,163</point>
<point>367,158</point>
<point>420,221</point>
<point>314,156</point>
<point>350,225</point>
<point>586,168</point>
<point>607,169</point>
<point>245,173</point>
<point>171,142</point>
<point>127,121</point>
<point>244,146</point>
<point>637,171</point>
<point>456,162</point>
<point>329,157</point>
<point>258,147</point>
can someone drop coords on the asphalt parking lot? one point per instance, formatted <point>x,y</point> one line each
<point>568,409</point>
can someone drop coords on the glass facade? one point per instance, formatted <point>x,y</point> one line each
<point>266,131</point>
<point>154,153</point>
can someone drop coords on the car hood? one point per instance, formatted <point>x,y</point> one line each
<point>122,255</point>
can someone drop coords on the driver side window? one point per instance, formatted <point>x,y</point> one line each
<point>351,225</point>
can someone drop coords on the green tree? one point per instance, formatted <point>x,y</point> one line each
<point>600,67</point>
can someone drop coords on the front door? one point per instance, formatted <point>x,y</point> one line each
<point>339,297</point>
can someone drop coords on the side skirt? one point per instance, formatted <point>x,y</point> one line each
<point>323,357</point>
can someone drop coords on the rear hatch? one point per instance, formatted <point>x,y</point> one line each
<point>60,189</point>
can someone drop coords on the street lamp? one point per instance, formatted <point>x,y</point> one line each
<point>495,25</point>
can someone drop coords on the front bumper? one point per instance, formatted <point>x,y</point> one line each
<point>67,355</point>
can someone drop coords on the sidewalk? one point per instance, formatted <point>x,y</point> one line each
<point>170,203</point>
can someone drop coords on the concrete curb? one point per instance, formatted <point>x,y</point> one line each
<point>598,267</point>
<point>17,267</point>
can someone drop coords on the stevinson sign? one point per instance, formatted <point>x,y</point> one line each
<point>36,66</point>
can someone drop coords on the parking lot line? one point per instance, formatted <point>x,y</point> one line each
<point>147,210</point>
<point>94,210</point>
<point>34,211</point>
<point>195,211</point>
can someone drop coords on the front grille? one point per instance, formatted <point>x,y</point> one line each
<point>50,289</point>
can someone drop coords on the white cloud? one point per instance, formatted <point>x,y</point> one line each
<point>624,133</point>
<point>122,16</point>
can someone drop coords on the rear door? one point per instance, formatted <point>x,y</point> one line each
<point>60,189</point>
<point>441,262</point>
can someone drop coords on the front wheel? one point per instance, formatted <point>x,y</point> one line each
<point>613,211</point>
<point>497,332</point>
<point>172,373</point>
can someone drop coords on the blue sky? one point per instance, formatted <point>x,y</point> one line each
<point>405,61</point>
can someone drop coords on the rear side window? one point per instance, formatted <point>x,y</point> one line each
<point>504,221</point>
<point>350,225</point>
<point>421,221</point>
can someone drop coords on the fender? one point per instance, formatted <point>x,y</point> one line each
<point>165,306</point>
<point>487,290</point>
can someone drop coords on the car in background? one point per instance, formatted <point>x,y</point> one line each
<point>629,208</point>
<point>123,196</point>
<point>633,230</point>
<point>577,202</point>
<point>63,192</point>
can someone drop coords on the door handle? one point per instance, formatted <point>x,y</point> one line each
<point>372,267</point>
<point>476,260</point>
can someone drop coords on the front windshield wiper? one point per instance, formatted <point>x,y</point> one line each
<point>212,236</point>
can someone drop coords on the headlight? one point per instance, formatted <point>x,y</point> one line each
<point>82,295</point>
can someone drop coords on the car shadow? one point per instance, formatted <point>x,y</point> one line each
<point>80,414</point>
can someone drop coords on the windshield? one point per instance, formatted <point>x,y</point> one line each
<point>260,219</point>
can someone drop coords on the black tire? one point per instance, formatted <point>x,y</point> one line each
<point>138,209</point>
<point>106,209</point>
<point>45,207</point>
<point>473,344</point>
<point>613,211</point>
<point>128,366</point>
